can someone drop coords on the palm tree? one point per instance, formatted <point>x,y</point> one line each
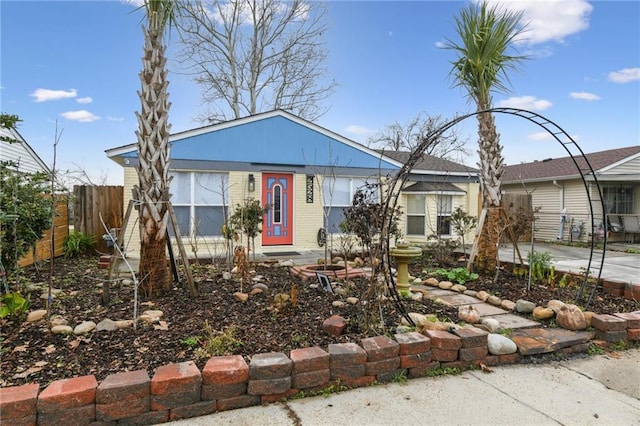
<point>481,67</point>
<point>153,149</point>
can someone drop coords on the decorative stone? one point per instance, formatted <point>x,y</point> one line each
<point>500,345</point>
<point>84,328</point>
<point>260,286</point>
<point>107,325</point>
<point>459,288</point>
<point>58,320</point>
<point>471,293</point>
<point>286,263</point>
<point>555,305</point>
<point>571,318</point>
<point>432,282</point>
<point>240,297</point>
<point>524,306</point>
<point>403,329</point>
<point>352,300</point>
<point>445,285</point>
<point>483,295</point>
<point>469,314</point>
<point>508,305</point>
<point>37,315</point>
<point>256,291</point>
<point>61,329</point>
<point>587,317</point>
<point>417,281</point>
<point>492,325</point>
<point>154,313</point>
<point>541,313</point>
<point>124,324</point>
<point>226,275</point>
<point>417,297</point>
<point>127,282</point>
<point>337,303</point>
<point>494,300</point>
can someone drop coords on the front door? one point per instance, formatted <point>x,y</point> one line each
<point>277,224</point>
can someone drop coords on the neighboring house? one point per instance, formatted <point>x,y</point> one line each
<point>20,153</point>
<point>556,187</point>
<point>306,173</point>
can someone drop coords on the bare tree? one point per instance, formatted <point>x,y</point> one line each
<point>251,56</point>
<point>407,136</point>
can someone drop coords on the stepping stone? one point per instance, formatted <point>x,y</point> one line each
<point>459,299</point>
<point>532,341</point>
<point>488,310</point>
<point>513,321</point>
<point>433,292</point>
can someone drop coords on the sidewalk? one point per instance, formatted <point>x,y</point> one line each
<point>602,390</point>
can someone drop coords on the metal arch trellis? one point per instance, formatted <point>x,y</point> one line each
<point>396,184</point>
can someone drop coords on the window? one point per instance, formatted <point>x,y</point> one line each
<point>618,199</point>
<point>198,201</point>
<point>416,214</point>
<point>337,195</point>
<point>445,208</point>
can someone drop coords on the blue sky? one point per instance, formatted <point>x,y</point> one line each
<point>78,62</point>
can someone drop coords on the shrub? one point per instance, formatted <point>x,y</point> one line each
<point>77,243</point>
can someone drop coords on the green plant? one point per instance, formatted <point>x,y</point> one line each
<point>506,332</point>
<point>442,371</point>
<point>14,306</point>
<point>333,388</point>
<point>595,349</point>
<point>191,341</point>
<point>400,377</point>
<point>459,275</point>
<point>78,243</point>
<point>462,223</point>
<point>620,345</point>
<point>218,343</point>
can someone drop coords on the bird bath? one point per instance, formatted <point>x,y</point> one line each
<point>403,253</point>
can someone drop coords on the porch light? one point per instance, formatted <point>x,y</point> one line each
<point>252,183</point>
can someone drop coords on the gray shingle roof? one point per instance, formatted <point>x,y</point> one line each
<point>564,166</point>
<point>429,162</point>
<point>432,187</point>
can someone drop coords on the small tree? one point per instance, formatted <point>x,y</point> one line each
<point>247,218</point>
<point>462,223</point>
<point>364,217</point>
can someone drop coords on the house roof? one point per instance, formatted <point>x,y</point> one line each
<point>278,137</point>
<point>564,167</point>
<point>21,153</point>
<point>433,187</point>
<point>430,162</point>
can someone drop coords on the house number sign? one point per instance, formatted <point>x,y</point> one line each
<point>309,189</point>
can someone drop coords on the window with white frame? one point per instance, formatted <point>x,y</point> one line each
<point>618,199</point>
<point>337,196</point>
<point>199,200</point>
<point>444,205</point>
<point>416,214</point>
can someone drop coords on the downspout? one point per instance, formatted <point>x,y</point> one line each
<point>563,211</point>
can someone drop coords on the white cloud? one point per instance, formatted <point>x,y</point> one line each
<point>136,3</point>
<point>357,130</point>
<point>82,116</point>
<point>540,136</point>
<point>584,96</point>
<point>86,100</point>
<point>110,118</point>
<point>530,103</point>
<point>625,75</point>
<point>44,95</point>
<point>550,20</point>
<point>441,44</point>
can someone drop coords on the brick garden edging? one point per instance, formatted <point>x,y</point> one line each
<point>181,390</point>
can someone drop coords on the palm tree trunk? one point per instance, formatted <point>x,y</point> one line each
<point>153,167</point>
<point>491,168</point>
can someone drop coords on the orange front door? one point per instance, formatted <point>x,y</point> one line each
<point>277,224</point>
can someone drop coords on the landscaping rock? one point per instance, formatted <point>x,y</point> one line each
<point>445,285</point>
<point>571,317</point>
<point>417,297</point>
<point>469,314</point>
<point>58,320</point>
<point>84,328</point>
<point>352,300</point>
<point>337,303</point>
<point>459,288</point>
<point>260,286</point>
<point>524,306</point>
<point>492,325</point>
<point>36,315</point>
<point>61,329</point>
<point>500,345</point>
<point>240,297</point>
<point>107,325</point>
<point>494,300</point>
<point>508,305</point>
<point>124,324</point>
<point>540,313</point>
<point>255,291</point>
<point>432,282</point>
<point>483,295</point>
<point>555,305</point>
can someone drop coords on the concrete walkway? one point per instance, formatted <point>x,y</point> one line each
<point>598,390</point>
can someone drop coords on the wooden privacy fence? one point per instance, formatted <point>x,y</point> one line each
<point>92,201</point>
<point>60,228</point>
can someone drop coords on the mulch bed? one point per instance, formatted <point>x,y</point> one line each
<point>30,353</point>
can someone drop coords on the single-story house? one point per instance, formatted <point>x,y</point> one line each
<point>20,153</point>
<point>304,172</point>
<point>556,187</point>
